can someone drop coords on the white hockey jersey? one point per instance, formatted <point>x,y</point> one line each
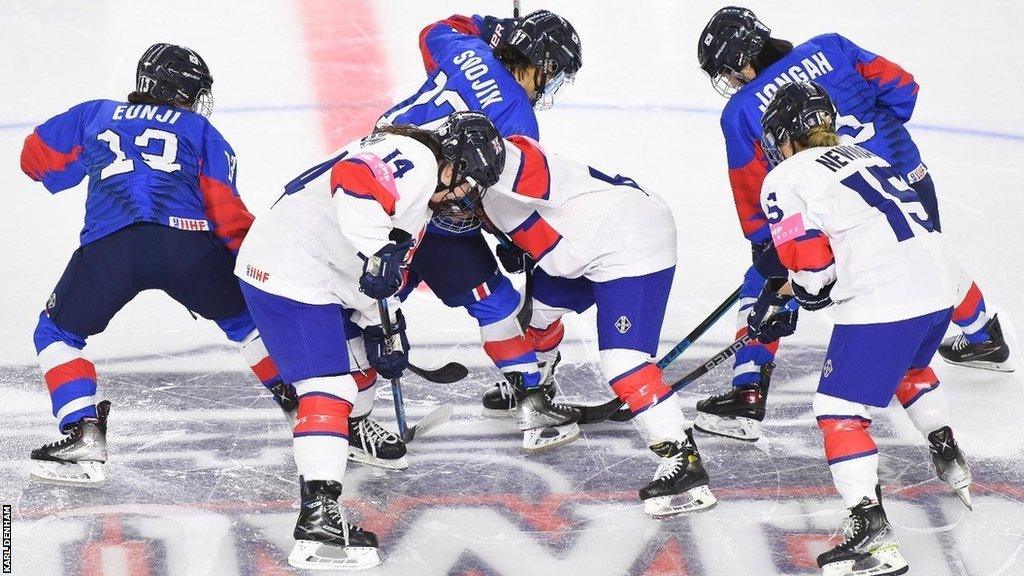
<point>308,247</point>
<point>574,220</point>
<point>843,213</point>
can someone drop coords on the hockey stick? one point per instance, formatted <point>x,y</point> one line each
<point>614,409</point>
<point>435,418</point>
<point>450,373</point>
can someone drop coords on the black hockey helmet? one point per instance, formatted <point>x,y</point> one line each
<point>175,75</point>
<point>730,41</point>
<point>796,109</point>
<point>476,152</point>
<point>550,44</point>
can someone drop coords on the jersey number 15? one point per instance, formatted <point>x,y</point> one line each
<point>880,189</point>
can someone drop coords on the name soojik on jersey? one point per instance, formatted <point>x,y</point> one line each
<point>809,69</point>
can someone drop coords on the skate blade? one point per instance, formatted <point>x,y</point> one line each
<point>965,497</point>
<point>745,429</point>
<point>312,555</point>
<point>492,413</point>
<point>883,562</point>
<point>693,500</point>
<point>982,365</point>
<point>363,457</point>
<point>84,474</point>
<point>535,440</point>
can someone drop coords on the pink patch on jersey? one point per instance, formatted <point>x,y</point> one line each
<point>381,171</point>
<point>788,229</point>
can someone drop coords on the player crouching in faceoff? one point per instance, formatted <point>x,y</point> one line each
<point>313,271</point>
<point>599,240</point>
<point>855,238</point>
<point>162,212</point>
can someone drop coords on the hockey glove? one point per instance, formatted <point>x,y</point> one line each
<point>389,361</point>
<point>382,272</point>
<point>808,301</point>
<point>497,31</point>
<point>766,259</point>
<point>513,258</point>
<point>767,329</point>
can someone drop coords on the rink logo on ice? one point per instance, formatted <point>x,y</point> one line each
<point>826,370</point>
<point>623,324</point>
<point>7,539</point>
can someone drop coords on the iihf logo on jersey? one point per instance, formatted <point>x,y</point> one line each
<point>826,370</point>
<point>52,301</point>
<point>623,324</point>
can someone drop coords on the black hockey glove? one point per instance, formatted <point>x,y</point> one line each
<point>810,301</point>
<point>767,329</point>
<point>382,272</point>
<point>766,259</point>
<point>389,363</point>
<point>513,258</point>
<point>497,31</point>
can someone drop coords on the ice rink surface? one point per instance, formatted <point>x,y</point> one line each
<point>201,480</point>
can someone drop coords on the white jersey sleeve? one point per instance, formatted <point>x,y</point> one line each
<point>843,213</point>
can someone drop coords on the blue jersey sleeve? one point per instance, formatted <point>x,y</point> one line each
<point>747,171</point>
<point>436,38</point>
<point>227,214</point>
<point>52,154</point>
<point>893,86</point>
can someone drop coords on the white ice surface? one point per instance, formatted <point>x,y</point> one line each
<point>201,476</point>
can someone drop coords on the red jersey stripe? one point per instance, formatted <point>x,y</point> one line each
<point>356,179</point>
<point>882,72</point>
<point>38,158</point>
<point>533,179</point>
<point>463,24</point>
<point>536,236</point>
<point>226,211</point>
<point>809,252</point>
<point>74,370</point>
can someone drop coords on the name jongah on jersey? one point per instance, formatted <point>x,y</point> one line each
<point>809,69</point>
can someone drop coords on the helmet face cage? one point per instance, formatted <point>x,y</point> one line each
<point>476,153</point>
<point>796,109</point>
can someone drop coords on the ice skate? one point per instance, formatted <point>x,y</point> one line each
<point>681,484</point>
<point>500,400</point>
<point>870,548</point>
<point>992,354</point>
<point>544,423</point>
<point>737,413</point>
<point>324,540</point>
<point>370,443</point>
<point>950,465</point>
<point>78,459</point>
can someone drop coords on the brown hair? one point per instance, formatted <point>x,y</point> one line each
<point>425,137</point>
<point>773,51</point>
<point>143,98</point>
<point>513,60</point>
<point>820,136</point>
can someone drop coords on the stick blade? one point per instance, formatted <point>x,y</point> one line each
<point>435,418</point>
<point>450,373</point>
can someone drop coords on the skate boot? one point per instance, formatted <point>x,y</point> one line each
<point>78,459</point>
<point>680,484</point>
<point>992,354</point>
<point>544,423</point>
<point>370,443</point>
<point>950,465</point>
<point>500,400</point>
<point>870,547</point>
<point>737,413</point>
<point>324,540</point>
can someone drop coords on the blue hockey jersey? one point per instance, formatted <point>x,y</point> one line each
<point>145,163</point>
<point>874,98</point>
<point>465,75</point>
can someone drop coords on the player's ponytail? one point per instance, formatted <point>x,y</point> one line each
<point>773,51</point>
<point>425,137</point>
<point>820,136</point>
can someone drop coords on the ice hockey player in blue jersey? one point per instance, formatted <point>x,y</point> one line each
<point>505,68</point>
<point>162,212</point>
<point>875,98</point>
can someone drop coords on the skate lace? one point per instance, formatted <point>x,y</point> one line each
<point>960,342</point>
<point>68,440</point>
<point>373,434</point>
<point>670,466</point>
<point>505,389</point>
<point>851,528</point>
<point>333,511</point>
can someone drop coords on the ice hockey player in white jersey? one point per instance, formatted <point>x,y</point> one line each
<point>313,270</point>
<point>599,240</point>
<point>857,241</point>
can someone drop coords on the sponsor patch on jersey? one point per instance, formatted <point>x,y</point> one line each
<point>190,224</point>
<point>623,324</point>
<point>917,174</point>
<point>788,229</point>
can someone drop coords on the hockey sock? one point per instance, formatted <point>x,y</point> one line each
<point>851,452</point>
<point>970,314</point>
<point>545,341</point>
<point>502,336</point>
<point>641,385</point>
<point>365,382</point>
<point>665,420</point>
<point>70,376</point>
<point>320,436</point>
<point>256,356</point>
<point>924,401</point>
<point>750,359</point>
